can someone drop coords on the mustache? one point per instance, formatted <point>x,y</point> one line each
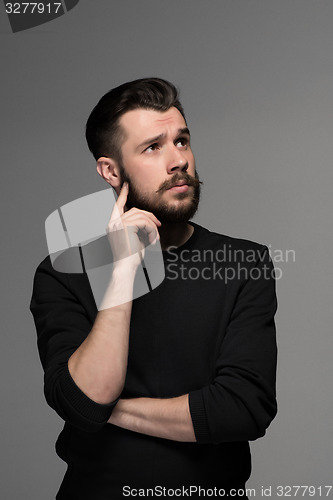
<point>179,177</point>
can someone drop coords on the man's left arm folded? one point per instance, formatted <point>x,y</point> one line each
<point>240,403</point>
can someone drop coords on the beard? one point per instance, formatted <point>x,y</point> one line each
<point>165,211</point>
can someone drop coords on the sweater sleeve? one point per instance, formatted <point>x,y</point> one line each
<point>240,403</point>
<point>62,324</point>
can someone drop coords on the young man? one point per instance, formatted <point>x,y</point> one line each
<point>161,394</point>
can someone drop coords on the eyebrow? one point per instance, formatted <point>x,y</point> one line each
<point>157,138</point>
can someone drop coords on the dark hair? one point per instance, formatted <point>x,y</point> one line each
<point>103,132</point>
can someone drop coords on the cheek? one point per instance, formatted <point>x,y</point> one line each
<point>147,178</point>
<point>151,170</point>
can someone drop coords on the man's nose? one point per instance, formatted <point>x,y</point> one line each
<point>177,161</point>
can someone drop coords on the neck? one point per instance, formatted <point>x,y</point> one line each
<point>174,234</point>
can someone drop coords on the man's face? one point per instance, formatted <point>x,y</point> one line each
<point>158,164</point>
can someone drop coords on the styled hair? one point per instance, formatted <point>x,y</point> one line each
<point>104,134</point>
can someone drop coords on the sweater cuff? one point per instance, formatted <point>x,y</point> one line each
<point>199,418</point>
<point>86,407</point>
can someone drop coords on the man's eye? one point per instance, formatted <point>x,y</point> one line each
<point>152,147</point>
<point>182,142</point>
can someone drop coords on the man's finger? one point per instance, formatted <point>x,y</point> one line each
<point>136,211</point>
<point>118,208</point>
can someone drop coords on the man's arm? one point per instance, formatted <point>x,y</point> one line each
<point>164,418</point>
<point>98,366</point>
<point>84,363</point>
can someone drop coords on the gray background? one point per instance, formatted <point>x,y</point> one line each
<point>256,80</point>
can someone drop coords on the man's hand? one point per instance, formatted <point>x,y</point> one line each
<point>129,232</point>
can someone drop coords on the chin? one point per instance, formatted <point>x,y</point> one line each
<point>176,214</point>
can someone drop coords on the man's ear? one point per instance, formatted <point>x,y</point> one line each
<point>109,170</point>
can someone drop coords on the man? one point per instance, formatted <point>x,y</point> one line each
<point>161,394</point>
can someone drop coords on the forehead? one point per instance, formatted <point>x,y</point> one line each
<point>139,124</point>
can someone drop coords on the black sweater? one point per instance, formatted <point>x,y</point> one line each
<point>207,330</point>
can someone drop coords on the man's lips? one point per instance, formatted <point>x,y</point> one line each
<point>180,187</point>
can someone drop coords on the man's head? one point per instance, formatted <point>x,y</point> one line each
<point>138,133</point>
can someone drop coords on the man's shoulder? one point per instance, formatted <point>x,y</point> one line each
<point>52,286</point>
<point>50,271</point>
<point>45,266</point>
<point>50,265</point>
